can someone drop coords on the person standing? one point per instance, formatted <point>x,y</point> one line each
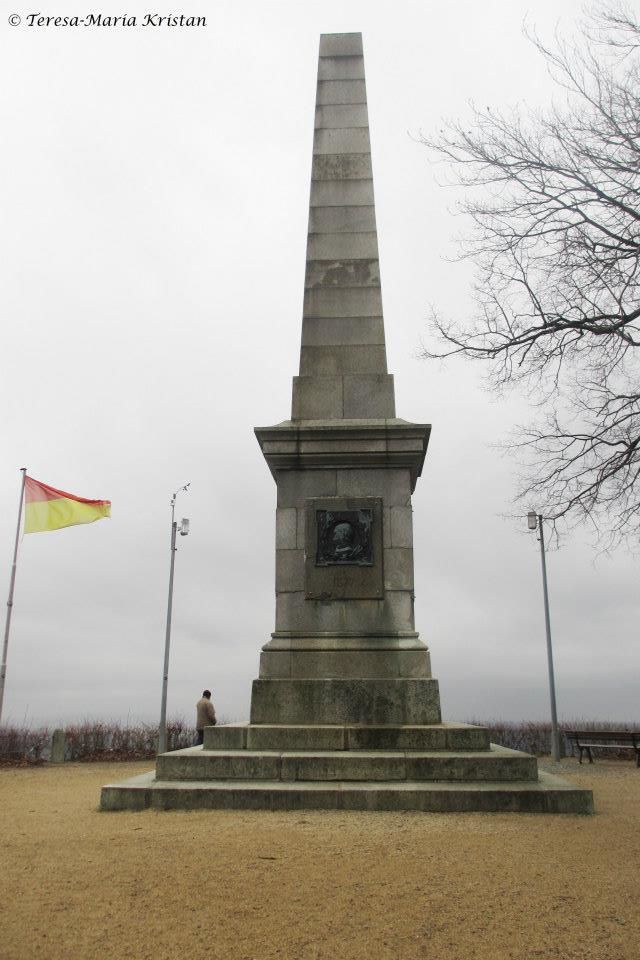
<point>205,715</point>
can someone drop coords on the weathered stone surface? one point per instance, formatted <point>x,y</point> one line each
<point>341,140</point>
<point>394,486</point>
<point>295,486</point>
<point>549,794</point>
<point>341,246</point>
<point>343,766</point>
<point>219,765</point>
<point>344,444</point>
<point>301,529</point>
<point>393,614</point>
<point>499,765</point>
<point>494,765</point>
<point>289,640</point>
<point>341,91</point>
<point>368,397</point>
<point>341,68</point>
<point>289,570</point>
<point>398,569</point>
<point>342,331</point>
<point>425,738</point>
<point>275,663</point>
<point>371,700</point>
<point>341,166</point>
<point>226,736</point>
<point>401,526</point>
<point>343,219</point>
<point>316,398</point>
<point>296,738</point>
<point>335,360</point>
<point>450,737</point>
<point>286,528</point>
<point>342,273</point>
<point>332,193</point>
<point>320,664</point>
<point>330,301</point>
<point>340,45</point>
<point>445,736</point>
<point>341,115</point>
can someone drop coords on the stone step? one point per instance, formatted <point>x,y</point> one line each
<point>549,794</point>
<point>440,736</point>
<point>195,763</point>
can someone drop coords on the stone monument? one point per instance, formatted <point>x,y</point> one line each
<point>345,713</point>
<point>345,649</point>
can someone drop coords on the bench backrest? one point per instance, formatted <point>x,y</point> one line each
<point>606,736</point>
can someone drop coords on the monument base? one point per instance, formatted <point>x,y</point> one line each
<point>340,700</point>
<point>443,767</point>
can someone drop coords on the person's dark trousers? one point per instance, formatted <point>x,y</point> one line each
<point>199,737</point>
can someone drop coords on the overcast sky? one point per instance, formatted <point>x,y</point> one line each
<point>154,187</point>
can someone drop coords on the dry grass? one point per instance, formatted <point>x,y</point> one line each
<point>78,884</point>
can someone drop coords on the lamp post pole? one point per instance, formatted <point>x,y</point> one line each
<point>162,734</point>
<point>536,521</point>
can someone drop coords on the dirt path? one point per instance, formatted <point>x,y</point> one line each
<point>78,884</point>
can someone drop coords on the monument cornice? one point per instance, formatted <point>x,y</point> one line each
<point>326,444</point>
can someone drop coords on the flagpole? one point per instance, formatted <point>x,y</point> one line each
<point>5,647</point>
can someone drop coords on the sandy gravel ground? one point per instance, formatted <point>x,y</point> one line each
<point>77,884</point>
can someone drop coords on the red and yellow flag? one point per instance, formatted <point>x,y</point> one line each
<point>49,509</point>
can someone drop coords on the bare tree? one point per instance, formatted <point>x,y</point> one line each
<point>554,199</point>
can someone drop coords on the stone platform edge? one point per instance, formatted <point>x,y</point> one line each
<point>353,736</point>
<point>550,794</point>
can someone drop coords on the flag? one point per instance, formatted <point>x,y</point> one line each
<point>49,509</point>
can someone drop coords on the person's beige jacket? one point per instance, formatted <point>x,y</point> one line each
<point>206,715</point>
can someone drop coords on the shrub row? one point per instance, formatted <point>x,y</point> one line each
<point>92,740</point>
<point>99,740</point>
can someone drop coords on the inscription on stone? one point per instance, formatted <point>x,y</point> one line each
<point>344,538</point>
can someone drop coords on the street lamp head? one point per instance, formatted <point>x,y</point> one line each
<point>532,520</point>
<point>184,527</point>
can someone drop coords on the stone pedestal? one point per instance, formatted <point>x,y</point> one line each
<point>345,648</point>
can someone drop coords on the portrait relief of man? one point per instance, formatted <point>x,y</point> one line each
<point>344,537</point>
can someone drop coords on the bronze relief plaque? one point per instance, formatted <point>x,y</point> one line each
<point>344,537</point>
<point>343,549</point>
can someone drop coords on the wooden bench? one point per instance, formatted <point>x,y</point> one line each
<point>606,740</point>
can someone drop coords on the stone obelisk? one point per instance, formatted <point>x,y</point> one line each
<point>345,714</point>
<point>344,649</point>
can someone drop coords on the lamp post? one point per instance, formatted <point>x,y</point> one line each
<point>184,530</point>
<point>535,522</point>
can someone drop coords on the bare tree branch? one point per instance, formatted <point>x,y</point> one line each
<point>553,199</point>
